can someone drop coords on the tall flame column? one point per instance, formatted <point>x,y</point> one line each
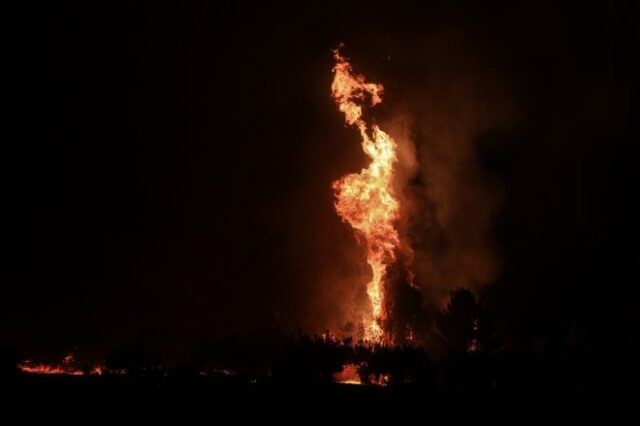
<point>365,200</point>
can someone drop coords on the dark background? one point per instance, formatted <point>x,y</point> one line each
<point>167,167</point>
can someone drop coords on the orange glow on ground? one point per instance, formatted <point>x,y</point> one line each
<point>66,367</point>
<point>349,375</point>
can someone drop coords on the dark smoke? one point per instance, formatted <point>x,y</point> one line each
<point>450,199</point>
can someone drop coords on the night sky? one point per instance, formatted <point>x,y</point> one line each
<point>167,168</point>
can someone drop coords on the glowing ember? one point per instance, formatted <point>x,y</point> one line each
<point>473,345</point>
<point>225,372</point>
<point>382,380</point>
<point>366,200</point>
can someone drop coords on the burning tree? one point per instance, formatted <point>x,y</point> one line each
<point>366,200</point>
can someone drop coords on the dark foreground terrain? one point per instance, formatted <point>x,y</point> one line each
<point>231,389</point>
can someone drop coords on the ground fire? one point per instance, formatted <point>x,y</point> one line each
<point>68,366</point>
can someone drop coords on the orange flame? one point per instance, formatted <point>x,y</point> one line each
<point>66,367</point>
<point>366,200</point>
<point>32,368</point>
<point>349,375</point>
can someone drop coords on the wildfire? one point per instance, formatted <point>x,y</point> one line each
<point>366,200</point>
<point>66,367</point>
<point>349,375</point>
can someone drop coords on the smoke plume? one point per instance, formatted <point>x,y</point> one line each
<point>450,198</point>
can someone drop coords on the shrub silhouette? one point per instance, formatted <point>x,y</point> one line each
<point>133,360</point>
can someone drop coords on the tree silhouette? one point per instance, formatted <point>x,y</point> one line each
<point>460,321</point>
<point>309,360</point>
